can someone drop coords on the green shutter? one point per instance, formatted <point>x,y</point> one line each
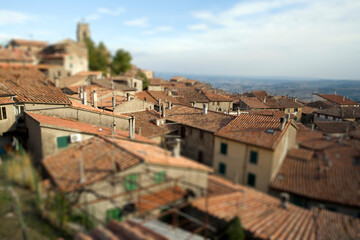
<point>253,157</point>
<point>223,148</point>
<point>131,182</point>
<point>159,177</point>
<point>222,168</point>
<point>62,142</point>
<point>115,213</point>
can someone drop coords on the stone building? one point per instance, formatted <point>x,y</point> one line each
<point>82,32</point>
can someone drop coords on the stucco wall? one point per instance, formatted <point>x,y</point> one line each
<point>134,105</point>
<point>81,115</point>
<point>8,123</point>
<point>225,106</point>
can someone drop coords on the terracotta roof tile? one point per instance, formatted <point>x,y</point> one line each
<point>334,126</point>
<point>338,99</point>
<point>29,42</point>
<point>31,86</point>
<point>77,105</point>
<point>321,104</point>
<point>341,112</point>
<point>260,94</point>
<point>254,130</point>
<point>194,117</point>
<point>270,113</point>
<point>154,96</point>
<point>263,217</point>
<point>215,97</point>
<point>311,177</point>
<point>251,102</point>
<point>158,199</point>
<point>288,103</point>
<point>14,55</point>
<point>191,95</point>
<point>6,100</point>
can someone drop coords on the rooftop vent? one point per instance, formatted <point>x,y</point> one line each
<point>284,197</point>
<point>270,131</point>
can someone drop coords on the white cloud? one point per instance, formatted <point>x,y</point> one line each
<point>140,22</point>
<point>158,30</point>
<point>104,11</point>
<point>201,27</point>
<point>13,17</point>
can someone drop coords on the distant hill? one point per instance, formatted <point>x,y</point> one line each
<point>301,88</point>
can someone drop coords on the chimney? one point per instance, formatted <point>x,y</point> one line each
<point>282,123</point>
<point>114,128</point>
<point>264,100</point>
<point>163,110</point>
<point>169,107</point>
<point>128,97</point>
<point>176,149</point>
<point>113,101</point>
<point>81,93</point>
<point>312,127</point>
<point>84,98</point>
<point>95,99</point>
<point>287,117</point>
<point>205,108</point>
<point>295,99</point>
<point>57,82</point>
<point>81,170</point>
<point>238,112</point>
<point>132,127</point>
<point>335,92</point>
<point>343,99</point>
<point>193,104</point>
<point>284,198</point>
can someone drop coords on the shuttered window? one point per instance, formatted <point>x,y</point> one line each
<point>159,177</point>
<point>115,213</point>
<point>3,113</point>
<point>222,168</point>
<point>62,142</point>
<point>131,182</point>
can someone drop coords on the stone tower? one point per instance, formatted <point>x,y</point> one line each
<point>82,32</point>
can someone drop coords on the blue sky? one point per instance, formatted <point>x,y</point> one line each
<point>300,38</point>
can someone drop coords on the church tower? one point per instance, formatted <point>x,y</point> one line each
<point>82,32</point>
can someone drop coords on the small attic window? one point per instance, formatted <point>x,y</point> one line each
<point>280,177</point>
<point>270,131</point>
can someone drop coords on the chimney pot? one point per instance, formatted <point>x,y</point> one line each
<point>132,127</point>
<point>113,101</point>
<point>238,112</point>
<point>85,98</point>
<point>95,99</point>
<point>128,97</point>
<point>284,197</point>
<point>282,123</point>
<point>163,110</point>
<point>287,117</point>
<point>205,110</point>
<point>169,107</point>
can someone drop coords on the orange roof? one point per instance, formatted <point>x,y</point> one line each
<point>29,42</point>
<point>158,199</point>
<point>299,174</point>
<point>14,55</point>
<point>251,102</point>
<point>6,100</point>
<point>157,155</point>
<point>254,130</point>
<point>263,217</point>
<point>31,86</point>
<point>215,97</point>
<point>92,109</point>
<point>194,117</point>
<point>83,127</point>
<point>338,99</point>
<point>100,159</point>
<point>88,73</point>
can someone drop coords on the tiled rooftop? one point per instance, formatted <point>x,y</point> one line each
<point>191,95</point>
<point>29,42</point>
<point>72,81</point>
<point>310,177</point>
<point>254,130</point>
<point>9,55</point>
<point>154,96</point>
<point>341,112</point>
<point>6,100</point>
<point>215,97</point>
<point>338,99</point>
<point>103,156</point>
<point>146,123</point>
<point>30,86</point>
<point>158,199</point>
<point>334,126</point>
<point>194,117</point>
<point>288,103</point>
<point>321,104</point>
<point>127,230</point>
<point>251,102</point>
<point>270,113</point>
<point>263,216</point>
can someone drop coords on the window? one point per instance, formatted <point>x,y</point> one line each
<point>71,57</point>
<point>201,134</point>
<point>135,84</point>
<point>62,142</point>
<point>213,103</point>
<point>295,118</point>
<point>182,131</point>
<point>115,213</point>
<point>131,182</point>
<point>218,103</point>
<point>71,65</point>
<point>296,110</point>
<point>159,177</point>
<point>200,156</point>
<point>253,157</point>
<point>3,113</point>
<point>251,179</point>
<point>222,168</point>
<point>223,148</point>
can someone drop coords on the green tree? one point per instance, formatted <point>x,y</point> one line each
<point>99,56</point>
<point>233,230</point>
<point>144,78</point>
<point>121,62</point>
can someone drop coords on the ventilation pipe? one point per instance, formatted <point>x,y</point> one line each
<point>128,97</point>
<point>284,198</point>
<point>238,112</point>
<point>169,107</point>
<point>114,128</point>
<point>176,150</point>
<point>343,99</point>
<point>85,98</point>
<point>95,99</point>
<point>163,110</point>
<point>312,127</point>
<point>287,117</point>
<point>113,101</point>
<point>132,127</point>
<point>205,110</point>
<point>282,123</point>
